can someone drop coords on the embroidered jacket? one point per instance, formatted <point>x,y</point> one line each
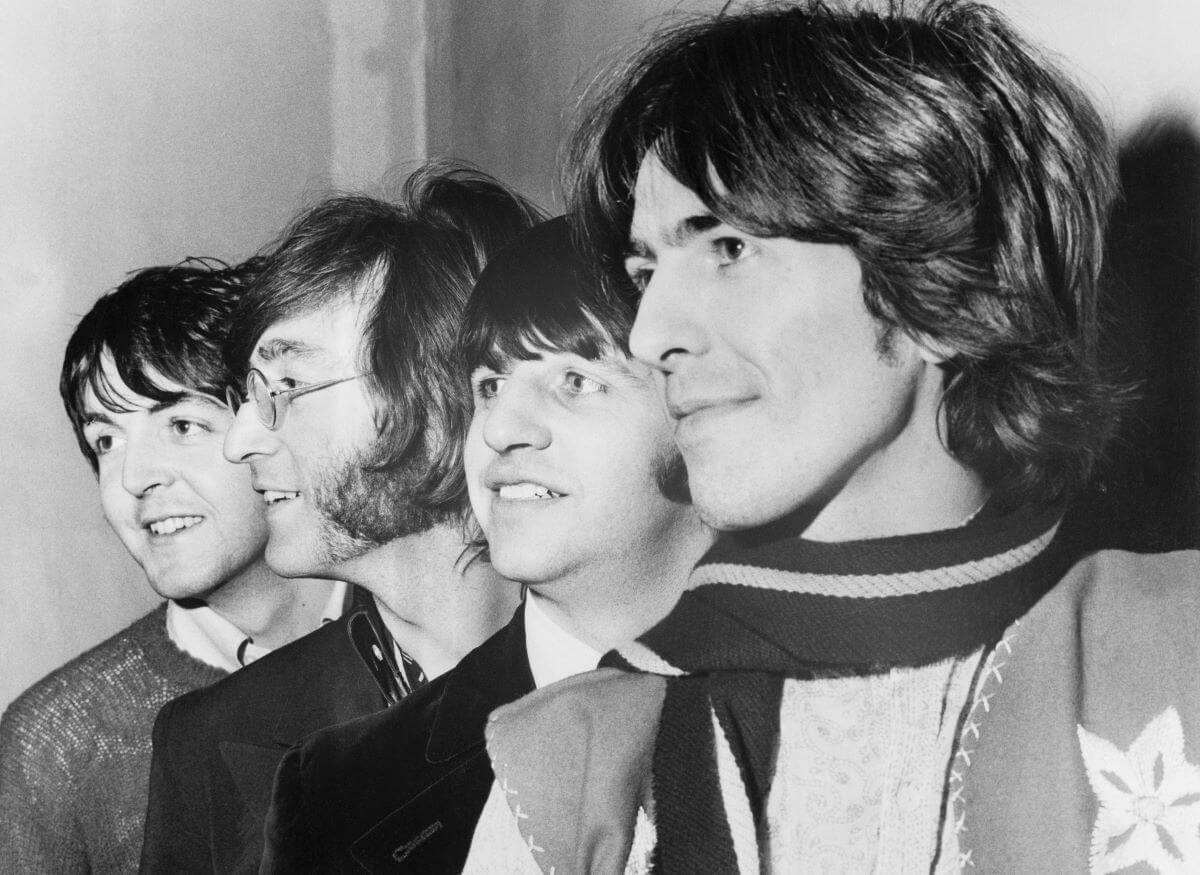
<point>1079,749</point>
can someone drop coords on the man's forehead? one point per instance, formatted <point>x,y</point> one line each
<point>665,211</point>
<point>324,335</point>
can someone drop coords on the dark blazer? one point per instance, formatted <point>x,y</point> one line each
<point>399,791</point>
<point>216,749</point>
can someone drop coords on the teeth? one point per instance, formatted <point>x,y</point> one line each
<point>173,524</point>
<point>272,496</point>
<point>525,492</point>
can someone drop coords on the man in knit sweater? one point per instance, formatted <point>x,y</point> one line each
<point>144,383</point>
<point>866,247</point>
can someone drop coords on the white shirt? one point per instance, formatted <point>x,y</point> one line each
<point>553,652</point>
<point>203,634</point>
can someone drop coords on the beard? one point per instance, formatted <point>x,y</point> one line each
<point>364,507</point>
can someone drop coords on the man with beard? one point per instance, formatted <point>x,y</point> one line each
<point>581,495</point>
<point>351,424</point>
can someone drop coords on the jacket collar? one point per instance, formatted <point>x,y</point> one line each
<point>356,676</point>
<point>493,674</point>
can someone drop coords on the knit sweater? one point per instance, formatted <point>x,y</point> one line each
<point>75,753</point>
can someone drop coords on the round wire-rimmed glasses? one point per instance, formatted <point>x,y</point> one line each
<point>271,404</point>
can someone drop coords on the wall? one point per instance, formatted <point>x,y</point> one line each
<point>505,75</point>
<point>508,71</point>
<point>134,133</point>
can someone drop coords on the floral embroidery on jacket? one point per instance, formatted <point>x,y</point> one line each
<point>1149,799</point>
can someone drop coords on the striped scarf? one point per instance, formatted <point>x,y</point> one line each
<point>761,610</point>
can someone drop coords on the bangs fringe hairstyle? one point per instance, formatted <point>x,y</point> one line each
<point>412,264</point>
<point>539,296</point>
<point>163,323</point>
<point>971,179</point>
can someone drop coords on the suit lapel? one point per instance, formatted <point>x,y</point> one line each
<point>251,769</point>
<point>431,830</point>
<point>357,679</point>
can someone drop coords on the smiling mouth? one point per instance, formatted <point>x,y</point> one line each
<point>526,492</point>
<point>173,524</point>
<point>275,496</point>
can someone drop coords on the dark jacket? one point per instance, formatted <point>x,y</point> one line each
<point>216,749</point>
<point>399,791</point>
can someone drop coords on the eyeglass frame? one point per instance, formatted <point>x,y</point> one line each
<point>278,407</point>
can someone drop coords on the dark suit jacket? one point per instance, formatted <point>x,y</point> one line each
<point>216,750</point>
<point>399,791</point>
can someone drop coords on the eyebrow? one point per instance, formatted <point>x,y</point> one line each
<point>281,347</point>
<point>680,234</point>
<point>91,417</point>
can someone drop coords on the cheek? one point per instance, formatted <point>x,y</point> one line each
<point>115,501</point>
<point>476,457</point>
<point>230,493</point>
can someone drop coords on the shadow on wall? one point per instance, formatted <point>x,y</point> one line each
<point>1146,496</point>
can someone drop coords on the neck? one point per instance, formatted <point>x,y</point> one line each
<point>272,610</point>
<point>610,605</point>
<point>910,486</point>
<point>436,606</point>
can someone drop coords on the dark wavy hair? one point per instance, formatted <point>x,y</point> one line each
<point>971,179</point>
<point>162,322</point>
<point>541,295</point>
<point>412,263</point>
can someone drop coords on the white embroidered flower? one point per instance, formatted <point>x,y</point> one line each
<point>1149,800</point>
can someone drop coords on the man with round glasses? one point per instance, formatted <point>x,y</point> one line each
<point>351,427</point>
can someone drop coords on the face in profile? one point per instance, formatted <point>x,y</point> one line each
<point>785,392</point>
<point>184,513</point>
<point>569,466</point>
<point>324,503</point>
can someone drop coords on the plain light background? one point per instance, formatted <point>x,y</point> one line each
<point>137,132</point>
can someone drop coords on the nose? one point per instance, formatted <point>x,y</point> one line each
<point>515,419</point>
<point>247,436</point>
<point>146,466</point>
<point>668,324</point>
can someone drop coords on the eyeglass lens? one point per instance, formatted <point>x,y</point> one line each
<point>258,391</point>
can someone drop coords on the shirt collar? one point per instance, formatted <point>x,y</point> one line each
<point>553,652</point>
<point>204,634</point>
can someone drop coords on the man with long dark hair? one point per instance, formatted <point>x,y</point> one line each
<point>866,247</point>
<point>351,426</point>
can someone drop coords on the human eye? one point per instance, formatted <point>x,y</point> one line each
<point>102,439</point>
<point>576,383</point>
<point>486,384</point>
<point>184,427</point>
<point>729,250</point>
<point>103,444</point>
<point>640,270</point>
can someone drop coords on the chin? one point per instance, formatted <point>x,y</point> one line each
<point>523,568</point>
<point>288,563</point>
<point>184,590</point>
